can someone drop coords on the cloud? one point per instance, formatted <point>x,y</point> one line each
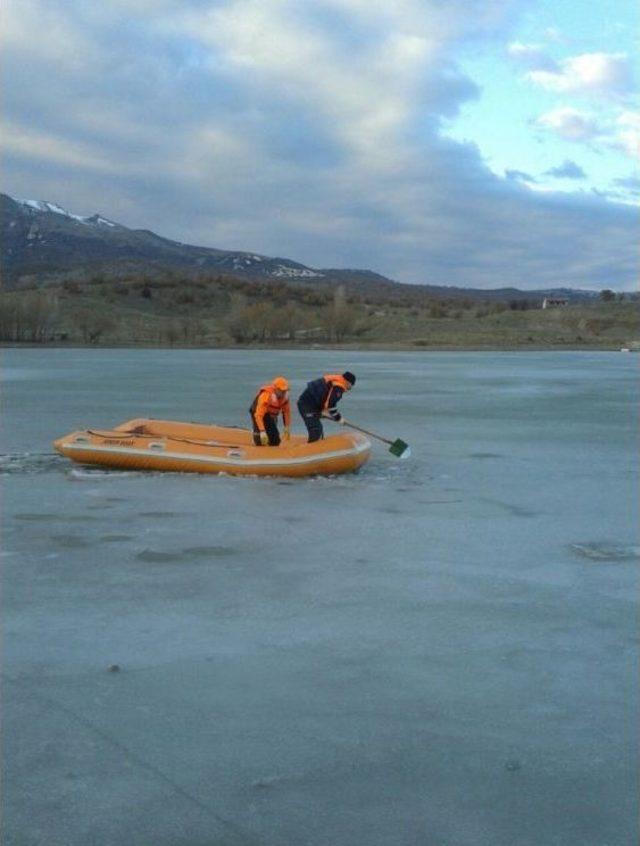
<point>622,192</point>
<point>311,131</point>
<point>593,74</point>
<point>552,33</point>
<point>519,176</point>
<point>620,133</point>
<point>28,143</point>
<point>632,183</point>
<point>533,56</point>
<point>567,170</point>
<point>628,134</point>
<point>600,75</point>
<point>570,124</point>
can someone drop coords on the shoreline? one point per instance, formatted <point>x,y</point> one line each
<point>381,347</point>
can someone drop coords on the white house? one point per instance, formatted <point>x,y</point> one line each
<point>553,302</point>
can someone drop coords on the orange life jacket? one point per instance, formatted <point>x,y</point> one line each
<point>268,402</point>
<point>335,379</point>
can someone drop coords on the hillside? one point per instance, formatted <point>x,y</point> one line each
<point>43,240</point>
<point>169,308</point>
<point>43,244</point>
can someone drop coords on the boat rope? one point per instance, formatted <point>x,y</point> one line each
<point>118,436</point>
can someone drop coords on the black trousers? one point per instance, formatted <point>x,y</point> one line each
<point>312,419</point>
<point>270,427</point>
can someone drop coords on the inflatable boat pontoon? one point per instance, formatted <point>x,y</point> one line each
<point>196,448</point>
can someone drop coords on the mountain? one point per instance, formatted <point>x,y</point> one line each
<point>41,238</point>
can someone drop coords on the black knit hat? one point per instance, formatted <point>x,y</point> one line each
<point>349,377</point>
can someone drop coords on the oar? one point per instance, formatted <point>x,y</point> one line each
<point>398,447</point>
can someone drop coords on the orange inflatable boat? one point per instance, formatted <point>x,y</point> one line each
<point>197,448</point>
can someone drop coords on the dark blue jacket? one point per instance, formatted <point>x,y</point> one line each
<point>321,396</point>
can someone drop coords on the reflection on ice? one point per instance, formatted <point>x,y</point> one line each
<point>27,463</point>
<point>606,551</point>
<point>94,474</point>
<point>194,553</point>
<point>115,538</point>
<point>38,517</point>
<point>70,541</point>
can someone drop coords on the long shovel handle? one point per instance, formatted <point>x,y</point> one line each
<point>365,431</point>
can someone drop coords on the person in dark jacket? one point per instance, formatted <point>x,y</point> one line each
<point>320,397</point>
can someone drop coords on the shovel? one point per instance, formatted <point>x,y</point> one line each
<point>398,447</point>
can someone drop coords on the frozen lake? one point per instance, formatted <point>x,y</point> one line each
<point>437,652</point>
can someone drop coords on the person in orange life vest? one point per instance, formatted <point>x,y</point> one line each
<point>271,400</point>
<point>320,397</point>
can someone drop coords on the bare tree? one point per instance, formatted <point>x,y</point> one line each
<point>28,317</point>
<point>8,314</point>
<point>251,323</point>
<point>283,321</point>
<point>93,325</point>
<point>171,332</point>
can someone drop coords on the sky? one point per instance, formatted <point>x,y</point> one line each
<point>477,144</point>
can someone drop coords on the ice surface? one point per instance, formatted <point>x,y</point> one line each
<point>434,651</point>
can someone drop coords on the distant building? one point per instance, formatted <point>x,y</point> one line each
<point>314,332</point>
<point>554,302</point>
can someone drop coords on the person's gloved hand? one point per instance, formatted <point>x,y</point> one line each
<point>337,417</point>
<point>287,434</point>
<point>264,439</point>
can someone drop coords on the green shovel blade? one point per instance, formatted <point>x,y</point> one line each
<point>400,449</point>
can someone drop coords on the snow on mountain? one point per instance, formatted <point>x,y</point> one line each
<point>46,206</point>
<point>39,235</point>
<point>98,219</point>
<point>294,272</point>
